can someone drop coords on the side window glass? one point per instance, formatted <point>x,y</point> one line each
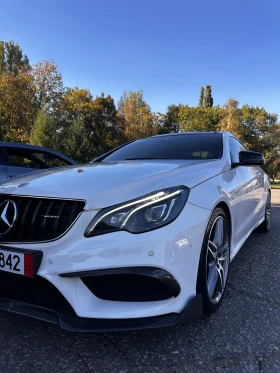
<point>235,148</point>
<point>3,157</point>
<point>50,160</point>
<point>19,161</point>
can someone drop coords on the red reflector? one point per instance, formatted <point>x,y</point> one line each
<point>28,265</point>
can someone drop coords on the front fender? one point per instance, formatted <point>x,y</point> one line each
<point>222,188</point>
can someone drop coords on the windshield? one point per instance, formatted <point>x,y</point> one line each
<point>183,146</point>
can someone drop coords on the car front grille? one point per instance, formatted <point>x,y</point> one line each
<point>40,219</point>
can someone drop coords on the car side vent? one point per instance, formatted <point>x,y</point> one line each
<point>37,219</point>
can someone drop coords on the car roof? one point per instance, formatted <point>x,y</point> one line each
<point>24,146</point>
<point>35,148</point>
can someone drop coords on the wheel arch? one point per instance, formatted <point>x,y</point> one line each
<point>223,205</point>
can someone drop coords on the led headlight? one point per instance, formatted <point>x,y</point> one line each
<point>140,215</point>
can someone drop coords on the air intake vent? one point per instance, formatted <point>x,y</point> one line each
<point>39,219</point>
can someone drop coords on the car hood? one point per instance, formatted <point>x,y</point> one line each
<point>108,183</point>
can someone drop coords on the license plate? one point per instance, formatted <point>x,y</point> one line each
<point>17,263</point>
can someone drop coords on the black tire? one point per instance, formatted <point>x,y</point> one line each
<point>211,304</point>
<point>264,227</point>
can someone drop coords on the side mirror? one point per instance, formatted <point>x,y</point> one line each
<point>247,158</point>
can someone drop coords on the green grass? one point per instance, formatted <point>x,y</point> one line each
<point>276,185</point>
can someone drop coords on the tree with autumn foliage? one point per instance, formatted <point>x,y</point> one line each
<point>257,129</point>
<point>170,121</point>
<point>139,121</point>
<point>24,91</point>
<point>96,118</point>
<point>199,118</point>
<point>46,131</point>
<point>82,128</point>
<point>17,105</point>
<point>231,120</point>
<point>48,85</point>
<point>36,107</point>
<point>107,125</point>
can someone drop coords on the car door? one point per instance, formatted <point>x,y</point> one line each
<point>250,191</point>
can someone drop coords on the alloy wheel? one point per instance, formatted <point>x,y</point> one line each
<point>217,259</point>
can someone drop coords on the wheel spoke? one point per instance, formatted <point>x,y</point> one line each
<point>212,251</point>
<point>219,232</point>
<point>212,279</point>
<point>223,252</point>
<point>221,279</point>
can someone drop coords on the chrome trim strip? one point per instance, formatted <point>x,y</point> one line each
<point>44,197</point>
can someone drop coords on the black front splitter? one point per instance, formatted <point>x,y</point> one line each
<point>73,323</point>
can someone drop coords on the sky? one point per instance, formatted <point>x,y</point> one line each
<point>169,49</point>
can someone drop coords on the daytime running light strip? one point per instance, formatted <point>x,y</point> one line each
<point>148,204</point>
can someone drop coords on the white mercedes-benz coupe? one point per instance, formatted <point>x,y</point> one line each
<point>142,237</point>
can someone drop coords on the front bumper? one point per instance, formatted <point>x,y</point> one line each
<point>174,248</point>
<point>69,321</point>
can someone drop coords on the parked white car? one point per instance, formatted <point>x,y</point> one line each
<point>142,237</point>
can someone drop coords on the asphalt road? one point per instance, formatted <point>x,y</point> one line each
<point>243,336</point>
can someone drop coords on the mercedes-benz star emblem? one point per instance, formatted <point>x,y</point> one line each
<point>8,216</point>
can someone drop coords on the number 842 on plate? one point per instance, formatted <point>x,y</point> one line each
<point>17,263</point>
